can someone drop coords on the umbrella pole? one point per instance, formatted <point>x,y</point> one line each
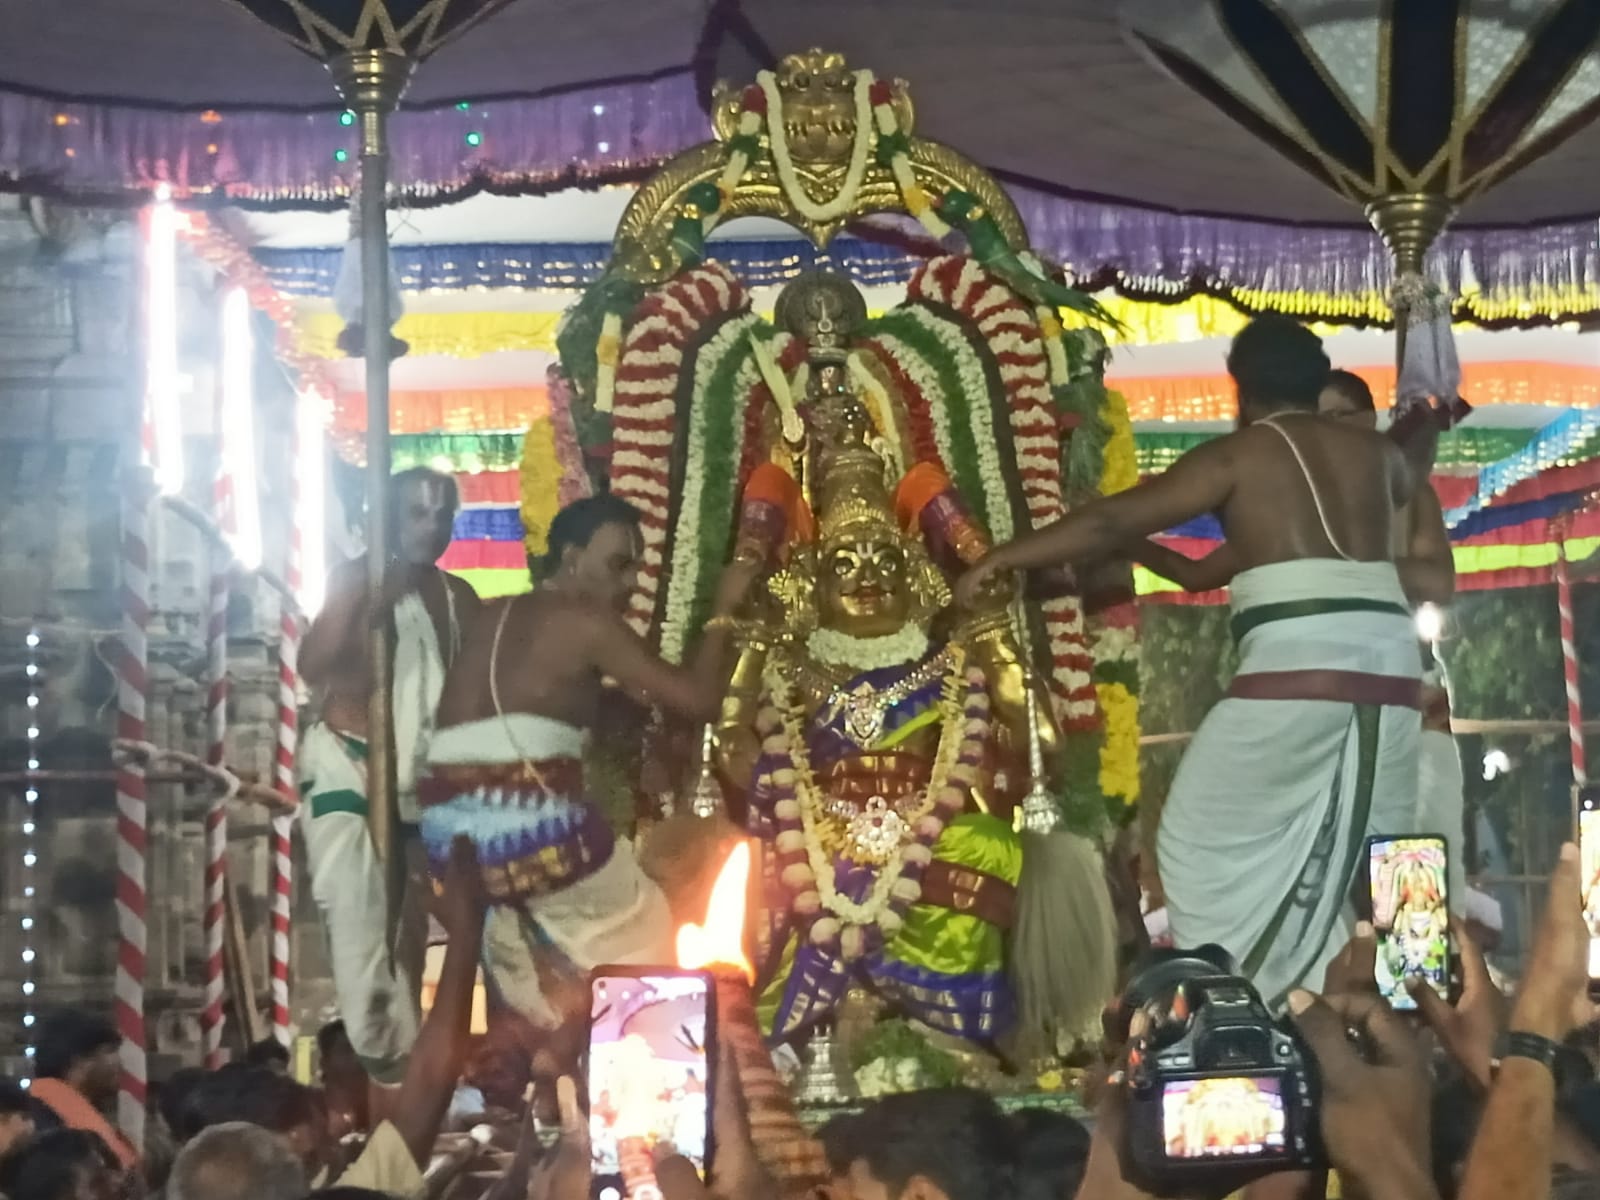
<point>1408,223</point>
<point>371,83</point>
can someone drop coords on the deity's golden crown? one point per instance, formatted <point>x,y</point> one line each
<point>853,499</point>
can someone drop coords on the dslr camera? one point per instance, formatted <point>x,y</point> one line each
<point>1218,1091</point>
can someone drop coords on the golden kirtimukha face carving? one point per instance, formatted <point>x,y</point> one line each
<point>864,587</point>
<point>819,112</point>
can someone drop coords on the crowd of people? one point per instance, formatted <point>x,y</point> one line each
<point>1489,1098</point>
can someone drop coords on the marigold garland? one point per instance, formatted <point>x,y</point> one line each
<point>540,473</point>
<point>1121,470</point>
<point>1116,645</point>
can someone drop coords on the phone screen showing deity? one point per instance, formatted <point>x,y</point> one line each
<point>1587,801</point>
<point>1411,914</point>
<point>1234,1117</point>
<point>652,1037</point>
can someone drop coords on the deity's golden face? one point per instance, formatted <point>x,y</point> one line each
<point>864,587</point>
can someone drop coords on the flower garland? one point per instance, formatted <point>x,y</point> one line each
<point>794,426</point>
<point>882,410</point>
<point>939,360</point>
<point>844,199</point>
<point>908,644</point>
<point>894,151</point>
<point>239,268</point>
<point>799,807</point>
<point>725,367</point>
<point>551,473</point>
<point>1116,642</point>
<point>540,475</point>
<point>645,420</point>
<point>1010,331</point>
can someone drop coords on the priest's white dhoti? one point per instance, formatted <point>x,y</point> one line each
<point>1313,750</point>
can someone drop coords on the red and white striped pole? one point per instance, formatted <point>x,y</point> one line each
<point>283,826</point>
<point>132,692</point>
<point>159,463</point>
<point>288,743</point>
<point>1569,659</point>
<point>212,1018</point>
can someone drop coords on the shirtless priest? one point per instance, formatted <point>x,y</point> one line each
<point>1315,746</point>
<point>506,765</point>
<point>428,612</point>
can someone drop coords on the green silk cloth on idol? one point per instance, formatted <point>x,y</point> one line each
<point>935,938</point>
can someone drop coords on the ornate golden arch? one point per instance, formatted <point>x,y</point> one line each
<point>820,117</point>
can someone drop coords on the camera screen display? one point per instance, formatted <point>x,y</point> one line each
<point>648,1067</point>
<point>1237,1117</point>
<point>1411,916</point>
<point>1589,860</point>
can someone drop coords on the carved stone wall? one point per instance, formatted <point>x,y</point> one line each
<point>69,402</point>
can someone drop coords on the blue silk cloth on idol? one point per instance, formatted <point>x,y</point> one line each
<point>943,968</point>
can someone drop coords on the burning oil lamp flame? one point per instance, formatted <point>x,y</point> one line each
<point>719,943</point>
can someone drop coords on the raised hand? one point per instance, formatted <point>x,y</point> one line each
<point>460,902</point>
<point>1554,997</point>
<point>1469,1030</point>
<point>1375,1108</point>
<point>564,1175</point>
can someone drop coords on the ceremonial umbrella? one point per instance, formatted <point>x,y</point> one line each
<point>1407,109</point>
<point>370,47</point>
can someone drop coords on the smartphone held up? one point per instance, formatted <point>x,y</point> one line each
<point>1407,879</point>
<point>1586,802</point>
<point>652,1046</point>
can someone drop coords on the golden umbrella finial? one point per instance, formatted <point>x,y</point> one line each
<point>1409,109</point>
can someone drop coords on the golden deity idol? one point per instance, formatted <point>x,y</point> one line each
<point>880,737</point>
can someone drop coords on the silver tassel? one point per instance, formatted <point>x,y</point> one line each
<point>707,799</point>
<point>1039,812</point>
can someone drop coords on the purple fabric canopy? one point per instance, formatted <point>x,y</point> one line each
<point>1117,166</point>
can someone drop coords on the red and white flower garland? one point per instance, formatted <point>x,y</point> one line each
<point>1014,337</point>
<point>645,414</point>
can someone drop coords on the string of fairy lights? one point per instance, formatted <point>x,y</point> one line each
<point>30,847</point>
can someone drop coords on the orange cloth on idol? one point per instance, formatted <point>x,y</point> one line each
<point>772,484</point>
<point>76,1112</point>
<point>922,485</point>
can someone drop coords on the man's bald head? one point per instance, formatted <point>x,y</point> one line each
<point>236,1161</point>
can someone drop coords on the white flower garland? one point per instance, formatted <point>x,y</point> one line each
<point>686,547</point>
<point>845,198</point>
<point>794,426</point>
<point>882,410</point>
<point>733,170</point>
<point>909,644</point>
<point>975,384</point>
<point>905,177</point>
